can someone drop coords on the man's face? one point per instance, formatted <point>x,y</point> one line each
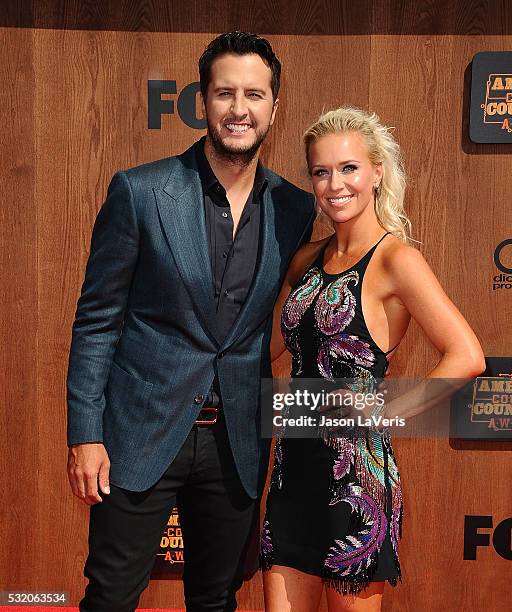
<point>239,107</point>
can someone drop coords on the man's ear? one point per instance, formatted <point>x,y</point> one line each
<point>274,111</point>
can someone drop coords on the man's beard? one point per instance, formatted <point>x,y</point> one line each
<point>241,157</point>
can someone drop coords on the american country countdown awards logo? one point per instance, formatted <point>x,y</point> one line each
<point>492,402</point>
<point>491,98</point>
<point>482,409</point>
<point>503,262</point>
<point>170,557</point>
<point>498,101</point>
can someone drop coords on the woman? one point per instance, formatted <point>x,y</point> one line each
<point>334,507</point>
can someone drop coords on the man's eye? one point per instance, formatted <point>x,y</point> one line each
<point>254,95</point>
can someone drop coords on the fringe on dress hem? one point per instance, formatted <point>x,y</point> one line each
<point>351,586</point>
<point>343,586</point>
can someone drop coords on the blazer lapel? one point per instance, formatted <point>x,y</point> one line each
<point>180,206</point>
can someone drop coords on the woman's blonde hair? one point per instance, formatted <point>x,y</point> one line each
<point>382,149</point>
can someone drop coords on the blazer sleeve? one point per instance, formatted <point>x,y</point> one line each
<point>100,311</point>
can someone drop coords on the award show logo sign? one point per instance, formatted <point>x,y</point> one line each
<point>482,410</point>
<point>492,402</point>
<point>491,98</point>
<point>169,558</point>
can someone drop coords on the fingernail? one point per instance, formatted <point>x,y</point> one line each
<point>107,490</point>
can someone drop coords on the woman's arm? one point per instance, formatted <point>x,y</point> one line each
<point>417,288</point>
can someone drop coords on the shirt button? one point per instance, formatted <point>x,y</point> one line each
<point>199,398</point>
<point>225,215</point>
<point>224,254</point>
<point>226,292</point>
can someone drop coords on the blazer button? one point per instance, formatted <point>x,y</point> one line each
<point>199,398</point>
<point>221,354</point>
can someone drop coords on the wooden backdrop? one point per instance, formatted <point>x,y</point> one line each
<point>73,105</point>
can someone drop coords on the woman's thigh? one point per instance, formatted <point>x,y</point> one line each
<point>289,590</point>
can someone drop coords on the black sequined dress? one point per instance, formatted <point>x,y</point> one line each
<point>334,508</point>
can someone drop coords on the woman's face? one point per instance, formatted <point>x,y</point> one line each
<point>342,175</point>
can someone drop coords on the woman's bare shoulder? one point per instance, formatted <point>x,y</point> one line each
<point>405,265</point>
<point>397,254</point>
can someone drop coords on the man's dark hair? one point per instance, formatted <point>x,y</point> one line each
<point>239,43</point>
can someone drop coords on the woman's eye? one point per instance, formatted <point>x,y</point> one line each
<point>349,168</point>
<point>319,172</point>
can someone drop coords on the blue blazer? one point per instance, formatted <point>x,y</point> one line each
<point>144,343</point>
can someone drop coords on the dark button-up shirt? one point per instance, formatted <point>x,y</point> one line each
<point>233,261</point>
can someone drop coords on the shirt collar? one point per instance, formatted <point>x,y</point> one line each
<point>210,182</point>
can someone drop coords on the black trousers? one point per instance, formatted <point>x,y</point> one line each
<point>216,515</point>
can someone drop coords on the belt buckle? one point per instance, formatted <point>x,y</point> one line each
<point>206,420</point>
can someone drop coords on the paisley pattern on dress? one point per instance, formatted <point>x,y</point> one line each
<point>356,554</point>
<point>342,347</point>
<point>366,454</point>
<point>336,305</point>
<point>345,459</point>
<point>301,299</point>
<point>369,465</point>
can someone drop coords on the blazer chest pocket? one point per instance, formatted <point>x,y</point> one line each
<point>125,422</point>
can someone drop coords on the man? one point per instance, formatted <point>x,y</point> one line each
<point>171,338</point>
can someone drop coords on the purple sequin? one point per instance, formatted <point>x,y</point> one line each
<point>357,551</point>
<point>342,464</point>
<point>336,305</point>
<point>301,298</point>
<point>266,540</point>
<point>343,347</point>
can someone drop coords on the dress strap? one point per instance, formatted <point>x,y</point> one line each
<point>381,239</point>
<point>370,251</point>
<point>391,350</point>
<point>361,263</point>
<point>365,259</point>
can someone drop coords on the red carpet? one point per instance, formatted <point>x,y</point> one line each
<point>63,609</point>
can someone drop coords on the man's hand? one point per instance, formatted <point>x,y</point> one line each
<point>88,465</point>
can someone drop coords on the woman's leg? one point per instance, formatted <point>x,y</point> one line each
<point>289,590</point>
<point>368,600</point>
